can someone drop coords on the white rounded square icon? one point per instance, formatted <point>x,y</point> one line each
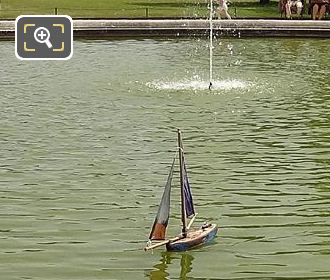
<point>43,37</point>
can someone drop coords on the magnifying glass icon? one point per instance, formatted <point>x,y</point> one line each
<point>41,35</point>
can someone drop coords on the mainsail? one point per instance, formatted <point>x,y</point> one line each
<point>159,227</point>
<point>188,201</point>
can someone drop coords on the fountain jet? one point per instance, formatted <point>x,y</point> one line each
<point>211,43</point>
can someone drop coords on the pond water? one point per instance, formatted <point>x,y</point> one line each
<point>86,145</point>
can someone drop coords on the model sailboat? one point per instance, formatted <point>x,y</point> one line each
<point>188,238</point>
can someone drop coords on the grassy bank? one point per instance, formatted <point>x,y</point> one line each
<point>134,8</point>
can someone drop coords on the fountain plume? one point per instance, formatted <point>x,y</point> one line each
<point>211,43</point>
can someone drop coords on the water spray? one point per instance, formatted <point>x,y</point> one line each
<point>211,43</point>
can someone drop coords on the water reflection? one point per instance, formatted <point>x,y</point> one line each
<point>160,270</point>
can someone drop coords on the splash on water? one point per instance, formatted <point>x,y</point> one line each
<point>200,85</point>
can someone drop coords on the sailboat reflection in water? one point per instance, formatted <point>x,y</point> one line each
<point>189,238</point>
<point>160,270</point>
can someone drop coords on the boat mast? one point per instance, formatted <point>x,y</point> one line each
<point>183,210</point>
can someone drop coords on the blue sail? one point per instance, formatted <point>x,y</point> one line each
<point>188,200</point>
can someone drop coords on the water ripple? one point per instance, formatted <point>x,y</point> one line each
<point>86,145</point>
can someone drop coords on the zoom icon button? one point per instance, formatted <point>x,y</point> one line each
<point>43,37</point>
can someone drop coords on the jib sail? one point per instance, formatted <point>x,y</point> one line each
<point>158,230</point>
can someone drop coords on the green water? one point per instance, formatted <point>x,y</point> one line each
<point>86,145</point>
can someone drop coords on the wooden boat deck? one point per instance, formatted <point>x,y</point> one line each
<point>194,238</point>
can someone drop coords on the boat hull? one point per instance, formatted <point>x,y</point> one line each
<point>194,238</point>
